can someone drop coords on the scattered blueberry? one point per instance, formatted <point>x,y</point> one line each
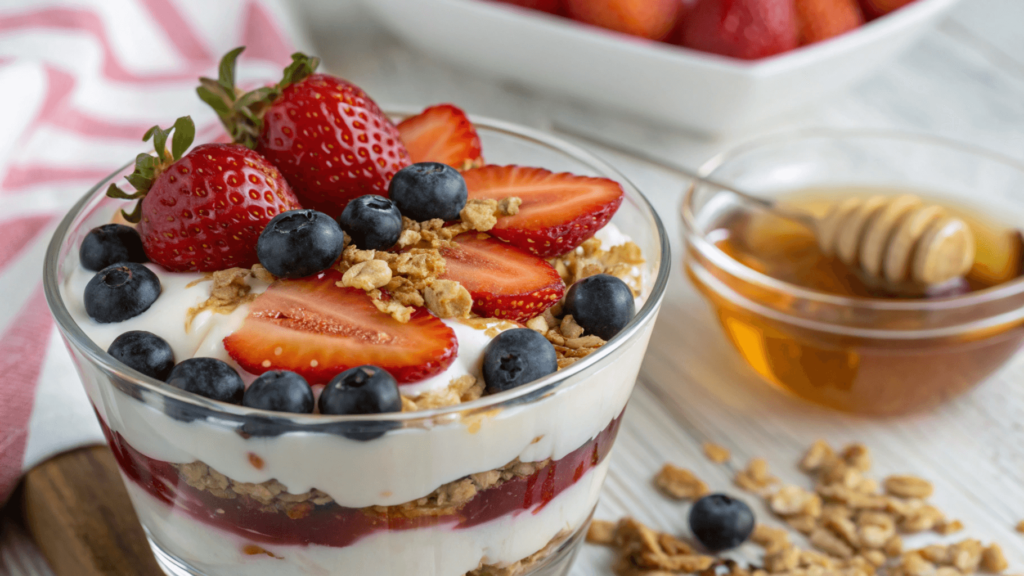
<point>721,522</point>
<point>280,391</point>
<point>373,222</point>
<point>121,291</point>
<point>210,378</point>
<point>428,190</point>
<point>602,305</point>
<point>516,357</point>
<point>109,244</point>
<point>361,390</point>
<point>299,243</point>
<point>145,352</point>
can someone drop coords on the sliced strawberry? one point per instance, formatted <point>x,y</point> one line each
<point>443,134</point>
<point>504,281</point>
<point>313,327</point>
<point>559,211</point>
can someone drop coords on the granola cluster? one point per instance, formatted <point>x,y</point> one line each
<point>590,259</point>
<point>644,552</point>
<point>462,389</point>
<point>565,334</point>
<point>230,290</point>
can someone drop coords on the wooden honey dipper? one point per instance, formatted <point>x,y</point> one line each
<point>896,242</point>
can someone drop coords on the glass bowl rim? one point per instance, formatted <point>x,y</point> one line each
<point>737,269</point>
<point>551,383</point>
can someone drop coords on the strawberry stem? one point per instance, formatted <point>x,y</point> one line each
<point>148,167</point>
<point>242,113</point>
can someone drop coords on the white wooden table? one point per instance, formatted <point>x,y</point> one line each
<point>964,80</point>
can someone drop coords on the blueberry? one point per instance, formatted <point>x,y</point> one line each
<point>373,222</point>
<point>210,378</point>
<point>428,190</point>
<point>299,243</point>
<point>602,305</point>
<point>516,357</point>
<point>361,390</point>
<point>109,244</point>
<point>721,522</point>
<point>121,291</point>
<point>280,391</point>
<point>145,352</point>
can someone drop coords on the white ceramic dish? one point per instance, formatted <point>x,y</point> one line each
<point>662,83</point>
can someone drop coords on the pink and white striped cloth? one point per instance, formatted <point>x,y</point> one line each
<point>82,81</point>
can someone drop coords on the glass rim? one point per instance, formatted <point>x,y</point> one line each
<point>737,269</point>
<point>77,337</point>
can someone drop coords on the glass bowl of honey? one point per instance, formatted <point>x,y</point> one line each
<point>819,327</point>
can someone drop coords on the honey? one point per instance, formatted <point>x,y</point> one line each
<point>868,351</point>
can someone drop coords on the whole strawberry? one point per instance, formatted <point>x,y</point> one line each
<point>823,19</point>
<point>747,29</point>
<point>875,8</point>
<point>652,19</point>
<point>202,211</point>
<point>328,138</point>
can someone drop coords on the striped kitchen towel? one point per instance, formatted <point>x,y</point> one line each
<point>82,81</point>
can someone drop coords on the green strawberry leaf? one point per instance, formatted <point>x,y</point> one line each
<point>213,96</point>
<point>145,165</point>
<point>139,182</point>
<point>301,67</point>
<point>226,71</point>
<point>184,133</point>
<point>159,136</point>
<point>135,216</point>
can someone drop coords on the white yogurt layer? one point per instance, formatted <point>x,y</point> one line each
<point>434,551</point>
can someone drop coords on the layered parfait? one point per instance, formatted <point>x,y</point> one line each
<point>360,289</point>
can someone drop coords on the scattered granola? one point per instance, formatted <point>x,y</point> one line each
<point>1020,527</point>
<point>567,336</point>
<point>478,215</point>
<point>755,477</point>
<point>644,552</point>
<point>853,528</point>
<point>448,299</point>
<point>589,259</point>
<point>908,487</point>
<point>679,483</point>
<point>992,559</point>
<point>715,453</point>
<point>367,275</point>
<point>230,290</point>
<point>463,389</point>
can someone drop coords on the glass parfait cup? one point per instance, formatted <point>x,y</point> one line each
<point>508,481</point>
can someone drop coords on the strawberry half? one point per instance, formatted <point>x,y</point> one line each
<point>443,134</point>
<point>313,327</point>
<point>559,210</point>
<point>504,281</point>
